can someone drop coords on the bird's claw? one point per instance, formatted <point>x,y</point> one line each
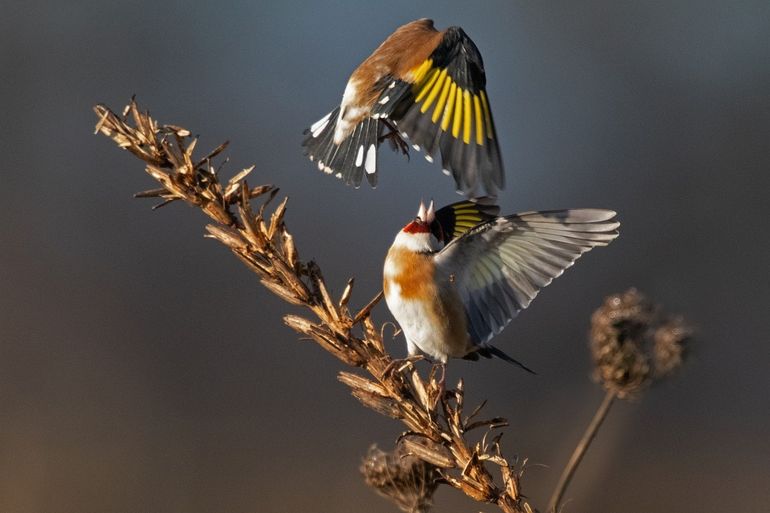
<point>400,364</point>
<point>440,384</point>
<point>397,143</point>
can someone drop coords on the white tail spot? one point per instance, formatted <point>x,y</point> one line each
<point>360,156</point>
<point>371,159</point>
<point>319,125</point>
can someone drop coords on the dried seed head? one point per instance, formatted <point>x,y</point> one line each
<point>617,330</point>
<point>670,346</point>
<point>632,342</point>
<point>400,477</point>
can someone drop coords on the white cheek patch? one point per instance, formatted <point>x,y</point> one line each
<point>371,159</point>
<point>417,242</point>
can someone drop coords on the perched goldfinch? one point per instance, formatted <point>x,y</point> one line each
<point>455,278</point>
<point>423,85</point>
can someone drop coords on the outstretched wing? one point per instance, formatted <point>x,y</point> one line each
<point>500,266</point>
<point>455,219</point>
<point>441,106</point>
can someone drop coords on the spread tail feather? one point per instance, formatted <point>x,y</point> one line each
<point>353,157</point>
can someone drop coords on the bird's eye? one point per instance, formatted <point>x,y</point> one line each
<point>417,219</point>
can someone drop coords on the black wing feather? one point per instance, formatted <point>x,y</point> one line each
<point>455,219</point>
<point>445,111</point>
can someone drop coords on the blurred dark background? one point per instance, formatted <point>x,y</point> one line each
<point>143,368</point>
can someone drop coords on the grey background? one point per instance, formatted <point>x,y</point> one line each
<point>142,368</point>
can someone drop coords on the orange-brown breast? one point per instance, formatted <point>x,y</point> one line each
<point>415,274</point>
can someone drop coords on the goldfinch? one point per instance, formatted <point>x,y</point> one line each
<point>454,278</point>
<point>423,85</point>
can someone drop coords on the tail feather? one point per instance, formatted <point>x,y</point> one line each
<point>488,351</point>
<point>350,160</point>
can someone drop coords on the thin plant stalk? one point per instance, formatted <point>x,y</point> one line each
<point>440,434</point>
<point>580,451</point>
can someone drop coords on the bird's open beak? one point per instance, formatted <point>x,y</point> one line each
<point>422,213</point>
<point>430,215</point>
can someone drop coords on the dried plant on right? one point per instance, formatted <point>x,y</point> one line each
<point>633,343</point>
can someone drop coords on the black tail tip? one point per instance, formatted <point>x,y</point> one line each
<point>492,351</point>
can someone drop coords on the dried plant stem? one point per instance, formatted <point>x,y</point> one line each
<point>580,451</point>
<point>438,429</point>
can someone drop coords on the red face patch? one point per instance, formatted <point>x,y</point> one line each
<point>416,227</point>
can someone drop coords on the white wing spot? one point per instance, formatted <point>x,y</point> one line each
<point>338,175</point>
<point>446,172</point>
<point>429,158</point>
<point>392,85</point>
<point>416,147</point>
<point>384,100</point>
<point>371,159</point>
<point>360,156</point>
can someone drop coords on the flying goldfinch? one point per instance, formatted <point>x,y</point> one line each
<point>423,85</point>
<point>454,278</point>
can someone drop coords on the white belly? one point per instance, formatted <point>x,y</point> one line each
<point>427,327</point>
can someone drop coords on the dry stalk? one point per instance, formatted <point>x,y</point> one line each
<point>633,344</point>
<point>437,427</point>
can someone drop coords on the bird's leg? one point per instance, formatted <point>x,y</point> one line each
<point>441,383</point>
<point>397,143</point>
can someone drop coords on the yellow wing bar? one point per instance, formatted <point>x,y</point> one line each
<point>466,114</point>
<point>466,216</point>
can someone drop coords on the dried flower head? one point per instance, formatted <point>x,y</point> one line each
<point>670,346</point>
<point>633,342</point>
<point>405,479</point>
